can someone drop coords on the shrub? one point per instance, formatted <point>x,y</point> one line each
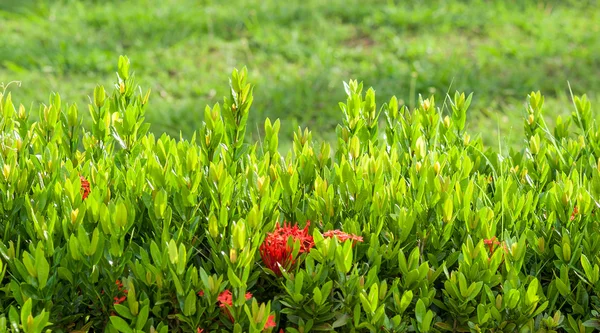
<point>409,225</point>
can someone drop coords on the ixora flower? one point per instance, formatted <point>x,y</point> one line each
<point>276,252</point>
<point>574,214</point>
<point>85,187</point>
<point>270,322</point>
<point>342,236</point>
<point>117,299</point>
<point>491,243</point>
<point>226,300</point>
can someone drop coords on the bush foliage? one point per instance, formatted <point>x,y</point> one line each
<point>409,225</point>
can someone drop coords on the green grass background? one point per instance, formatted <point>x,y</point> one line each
<point>299,53</point>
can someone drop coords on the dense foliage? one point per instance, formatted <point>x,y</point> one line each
<point>409,225</point>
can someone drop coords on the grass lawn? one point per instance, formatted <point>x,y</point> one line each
<point>299,54</point>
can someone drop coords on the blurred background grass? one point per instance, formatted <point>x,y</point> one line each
<point>298,54</point>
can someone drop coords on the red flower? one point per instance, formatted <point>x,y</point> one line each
<point>199,330</point>
<point>575,212</point>
<point>201,293</point>
<point>226,300</point>
<point>270,322</point>
<point>342,236</point>
<point>491,243</point>
<point>119,300</point>
<point>275,251</point>
<point>85,188</point>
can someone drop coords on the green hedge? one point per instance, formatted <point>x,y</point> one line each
<point>410,225</point>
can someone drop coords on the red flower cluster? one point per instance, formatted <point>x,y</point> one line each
<point>575,212</point>
<point>275,251</point>
<point>342,236</point>
<point>226,300</point>
<point>119,300</point>
<point>270,322</point>
<point>85,187</point>
<point>491,243</point>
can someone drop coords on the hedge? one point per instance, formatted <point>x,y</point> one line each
<point>408,225</point>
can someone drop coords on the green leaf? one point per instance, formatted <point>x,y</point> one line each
<point>593,323</point>
<point>120,324</point>
<point>592,274</point>
<point>341,321</point>
<point>40,321</point>
<point>176,282</point>
<point>123,67</point>
<point>160,203</point>
<point>448,207</point>
<point>123,311</point>
<point>134,305</point>
<point>43,268</point>
<point>356,314</point>
<point>474,290</point>
<point>462,283</point>
<point>99,96</point>
<point>173,255</point>
<point>29,291</point>
<point>347,248</point>
<point>13,317</point>
<point>326,288</point>
<point>156,254</point>
<point>482,314</point>
<point>540,309</point>
<point>74,248</point>
<point>142,317</point>
<point>365,303</point>
<point>317,296</point>
<point>405,301</point>
<point>233,278</point>
<point>189,307</point>
<point>420,311</point>
<point>2,324</point>
<point>28,261</point>
<point>121,214</point>
<point>413,259</point>
<point>26,311</point>
<point>374,296</point>
<point>426,324</point>
<point>532,292</point>
<point>563,289</point>
<point>182,260</point>
<point>96,237</point>
<point>512,298</point>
